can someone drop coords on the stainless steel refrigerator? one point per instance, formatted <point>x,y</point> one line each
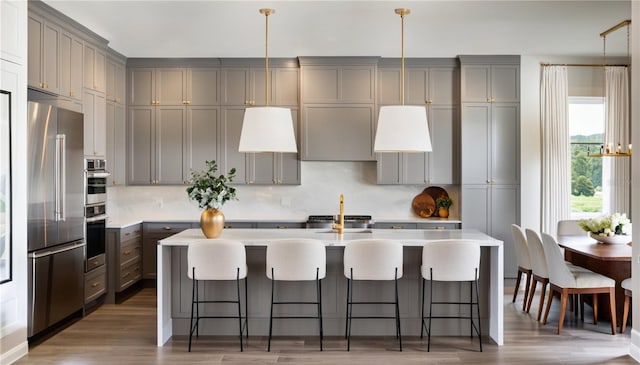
<point>55,214</point>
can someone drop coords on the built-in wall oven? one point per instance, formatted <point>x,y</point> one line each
<point>96,213</point>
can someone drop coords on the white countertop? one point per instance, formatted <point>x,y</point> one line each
<point>261,237</point>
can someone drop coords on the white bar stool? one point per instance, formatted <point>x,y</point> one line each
<point>296,260</point>
<point>217,260</point>
<point>371,259</point>
<point>451,260</point>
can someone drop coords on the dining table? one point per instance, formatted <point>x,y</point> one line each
<point>611,260</point>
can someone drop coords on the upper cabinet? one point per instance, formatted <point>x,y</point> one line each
<point>491,83</point>
<point>43,54</point>
<point>116,81</point>
<point>71,65</point>
<point>244,83</point>
<point>95,60</point>
<point>338,108</point>
<point>434,84</point>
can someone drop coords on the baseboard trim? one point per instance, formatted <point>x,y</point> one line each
<point>14,354</point>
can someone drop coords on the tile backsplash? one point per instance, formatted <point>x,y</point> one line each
<point>322,184</point>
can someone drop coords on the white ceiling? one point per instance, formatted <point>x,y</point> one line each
<point>352,28</point>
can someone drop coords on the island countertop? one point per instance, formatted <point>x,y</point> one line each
<point>261,237</point>
<point>174,293</point>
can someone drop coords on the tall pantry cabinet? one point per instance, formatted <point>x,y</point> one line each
<point>490,148</point>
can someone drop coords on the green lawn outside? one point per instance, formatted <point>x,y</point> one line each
<point>586,203</point>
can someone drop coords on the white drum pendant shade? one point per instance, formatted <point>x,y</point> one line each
<point>402,128</point>
<point>267,129</point>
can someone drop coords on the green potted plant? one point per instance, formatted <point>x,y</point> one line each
<point>443,204</point>
<point>211,192</point>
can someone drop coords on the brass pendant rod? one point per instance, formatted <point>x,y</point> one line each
<point>266,13</point>
<point>402,12</point>
<point>615,27</point>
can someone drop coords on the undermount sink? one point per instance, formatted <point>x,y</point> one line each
<point>346,230</point>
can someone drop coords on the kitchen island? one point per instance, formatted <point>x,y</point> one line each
<point>174,288</point>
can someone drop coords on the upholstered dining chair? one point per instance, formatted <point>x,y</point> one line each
<point>538,267</point>
<point>626,285</point>
<point>565,282</point>
<point>570,227</point>
<point>524,263</point>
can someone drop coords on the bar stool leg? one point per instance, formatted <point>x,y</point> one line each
<point>271,312</point>
<point>398,330</point>
<point>430,309</point>
<point>350,306</point>
<point>346,315</point>
<point>246,303</point>
<point>319,289</point>
<point>478,309</point>
<point>193,303</point>
<point>239,309</point>
<point>422,324</point>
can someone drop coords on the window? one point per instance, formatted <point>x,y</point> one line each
<point>586,128</point>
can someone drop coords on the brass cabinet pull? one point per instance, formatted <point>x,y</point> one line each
<point>167,228</point>
<point>94,285</point>
<point>127,252</point>
<point>396,227</point>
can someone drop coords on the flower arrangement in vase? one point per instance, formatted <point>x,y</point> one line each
<point>608,228</point>
<point>211,192</point>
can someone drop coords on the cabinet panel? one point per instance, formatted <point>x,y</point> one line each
<point>416,168</point>
<point>94,68</point>
<point>94,109</point>
<point>120,87</point>
<point>99,71</point>
<point>169,134</point>
<point>389,168</point>
<point>204,87</point>
<point>338,133</point>
<point>285,82</point>
<point>170,84</point>
<point>443,87</point>
<point>140,144</point>
<point>475,143</point>
<point>65,64</point>
<point>50,49</point>
<point>443,160</point>
<point>141,90</point>
<point>505,211</point>
<point>234,86</point>
<point>288,164</point>
<point>116,144</point>
<point>320,85</point>
<point>357,85</point>
<point>474,211</point>
<point>110,80</point>
<point>476,83</point>
<point>35,27</point>
<point>231,128</point>
<point>389,86</point>
<point>505,83</point>
<point>77,64</point>
<point>417,86</point>
<point>202,137</point>
<point>505,152</point>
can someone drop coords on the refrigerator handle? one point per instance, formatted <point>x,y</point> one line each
<point>60,180</point>
<point>63,177</point>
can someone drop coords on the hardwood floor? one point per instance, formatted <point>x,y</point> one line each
<point>125,334</point>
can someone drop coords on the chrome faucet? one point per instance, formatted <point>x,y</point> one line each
<point>340,225</point>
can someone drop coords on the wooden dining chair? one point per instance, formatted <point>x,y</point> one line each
<point>565,282</point>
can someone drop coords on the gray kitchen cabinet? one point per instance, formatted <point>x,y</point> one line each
<point>490,82</point>
<point>280,225</point>
<point>95,60</point>
<point>243,82</point>
<point>395,225</point>
<point>203,87</point>
<point>157,86</point>
<point>436,167</point>
<point>43,49</point>
<point>152,233</point>
<point>116,80</point>
<point>490,148</point>
<point>116,144</point>
<point>155,145</point>
<point>493,209</point>
<point>124,259</point>
<point>255,168</point>
<point>202,132</point>
<point>71,66</point>
<point>95,284</point>
<point>337,108</point>
<point>433,83</point>
<point>94,107</point>
<point>490,136</point>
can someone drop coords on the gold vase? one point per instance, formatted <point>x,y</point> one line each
<point>212,222</point>
<point>443,212</point>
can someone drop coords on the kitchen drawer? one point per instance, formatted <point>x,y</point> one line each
<point>130,232</point>
<point>439,225</point>
<point>130,250</point>
<point>129,274</point>
<point>95,283</point>
<point>165,228</point>
<point>398,225</point>
<point>233,225</point>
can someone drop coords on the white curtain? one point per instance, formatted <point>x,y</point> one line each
<point>616,171</point>
<point>556,151</point>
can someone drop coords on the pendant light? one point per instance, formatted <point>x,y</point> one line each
<point>402,128</point>
<point>266,128</point>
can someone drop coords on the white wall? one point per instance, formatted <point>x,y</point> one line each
<point>13,70</point>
